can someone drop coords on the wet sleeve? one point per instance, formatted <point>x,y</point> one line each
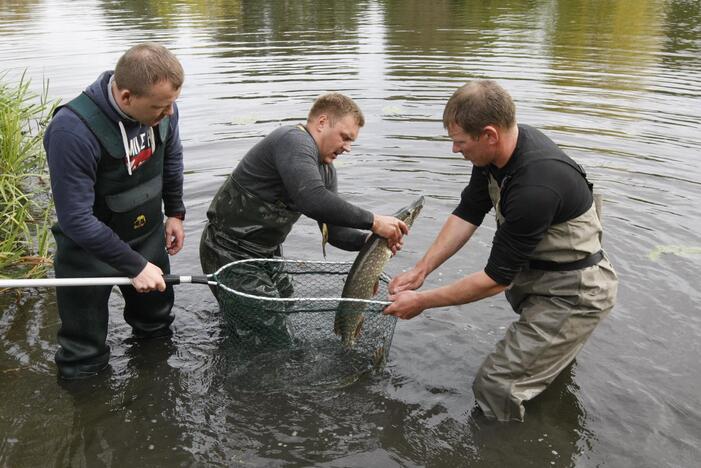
<point>297,164</point>
<point>72,159</point>
<point>347,238</point>
<point>343,238</point>
<point>173,169</point>
<point>474,199</point>
<point>528,214</point>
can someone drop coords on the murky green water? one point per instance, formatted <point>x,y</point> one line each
<point>615,83</point>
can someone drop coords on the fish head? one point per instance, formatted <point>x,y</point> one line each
<point>410,212</point>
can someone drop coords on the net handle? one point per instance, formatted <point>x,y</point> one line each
<point>177,279</point>
<point>96,281</point>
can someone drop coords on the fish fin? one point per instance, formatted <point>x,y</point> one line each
<point>324,238</point>
<point>378,357</point>
<point>358,327</point>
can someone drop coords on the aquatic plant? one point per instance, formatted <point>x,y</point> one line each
<point>25,200</point>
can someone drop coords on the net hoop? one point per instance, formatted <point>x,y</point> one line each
<point>383,276</point>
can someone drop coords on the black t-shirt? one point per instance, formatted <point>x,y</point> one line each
<point>543,188</point>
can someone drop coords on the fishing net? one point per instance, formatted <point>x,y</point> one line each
<point>280,315</point>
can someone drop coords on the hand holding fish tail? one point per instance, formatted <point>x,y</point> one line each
<point>389,227</point>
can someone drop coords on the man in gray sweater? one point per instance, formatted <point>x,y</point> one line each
<point>288,173</point>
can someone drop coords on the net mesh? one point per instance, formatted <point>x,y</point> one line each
<point>284,312</point>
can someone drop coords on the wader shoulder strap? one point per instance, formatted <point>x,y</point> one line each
<point>99,124</point>
<point>103,128</point>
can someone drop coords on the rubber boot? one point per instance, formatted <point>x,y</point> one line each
<point>82,350</point>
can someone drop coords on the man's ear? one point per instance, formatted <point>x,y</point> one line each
<point>322,121</point>
<point>491,133</point>
<point>123,96</point>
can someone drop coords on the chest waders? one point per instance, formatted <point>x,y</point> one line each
<point>240,226</point>
<point>567,288</point>
<point>130,205</point>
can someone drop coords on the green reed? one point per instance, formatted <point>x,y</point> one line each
<point>25,200</point>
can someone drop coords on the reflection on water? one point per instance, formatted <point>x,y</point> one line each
<point>616,84</point>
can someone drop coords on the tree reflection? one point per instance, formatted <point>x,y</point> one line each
<point>168,14</point>
<point>275,27</point>
<point>602,44</point>
<point>448,27</point>
<point>445,30</point>
<point>682,38</point>
<point>14,12</point>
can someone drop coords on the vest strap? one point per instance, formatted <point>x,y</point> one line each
<point>101,126</point>
<point>586,262</point>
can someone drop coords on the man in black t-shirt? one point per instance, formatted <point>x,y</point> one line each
<point>546,253</point>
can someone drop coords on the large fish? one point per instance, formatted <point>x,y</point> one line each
<point>364,276</point>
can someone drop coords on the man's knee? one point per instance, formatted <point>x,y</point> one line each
<point>493,389</point>
<point>150,314</point>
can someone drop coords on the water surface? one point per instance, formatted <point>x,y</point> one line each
<point>616,84</point>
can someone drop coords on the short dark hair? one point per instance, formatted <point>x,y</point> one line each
<point>477,104</point>
<point>146,64</point>
<point>336,106</point>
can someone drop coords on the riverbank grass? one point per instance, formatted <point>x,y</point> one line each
<point>25,200</point>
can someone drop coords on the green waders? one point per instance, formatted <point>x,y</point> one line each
<point>243,226</point>
<point>131,207</point>
<point>568,288</point>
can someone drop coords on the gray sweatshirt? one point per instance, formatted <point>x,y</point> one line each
<point>285,167</point>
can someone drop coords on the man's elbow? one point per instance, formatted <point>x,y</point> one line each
<point>493,286</point>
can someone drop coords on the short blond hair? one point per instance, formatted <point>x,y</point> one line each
<point>336,106</point>
<point>477,104</point>
<point>146,64</point>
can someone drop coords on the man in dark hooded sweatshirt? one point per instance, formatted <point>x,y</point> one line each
<point>115,160</point>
